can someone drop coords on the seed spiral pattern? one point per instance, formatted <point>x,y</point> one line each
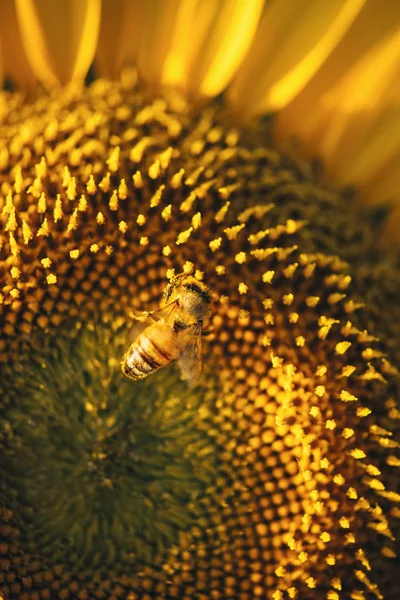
<point>274,477</point>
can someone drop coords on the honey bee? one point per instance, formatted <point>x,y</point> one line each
<point>172,333</point>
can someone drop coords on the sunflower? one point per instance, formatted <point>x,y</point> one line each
<point>275,476</point>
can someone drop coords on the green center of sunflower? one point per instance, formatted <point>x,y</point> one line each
<point>101,466</point>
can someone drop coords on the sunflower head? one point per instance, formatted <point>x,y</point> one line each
<point>274,469</point>
<point>127,206</point>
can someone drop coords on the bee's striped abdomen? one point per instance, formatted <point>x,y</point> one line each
<point>155,348</point>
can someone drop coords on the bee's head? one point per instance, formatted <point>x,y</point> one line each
<point>194,296</point>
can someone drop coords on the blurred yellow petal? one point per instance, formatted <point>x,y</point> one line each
<point>183,40</point>
<point>210,41</point>
<point>357,97</point>
<point>391,234</point>
<point>384,187</point>
<point>349,113</point>
<point>292,42</point>
<point>119,34</point>
<point>15,63</point>
<point>157,22</point>
<point>306,115</point>
<point>59,37</point>
<point>372,149</point>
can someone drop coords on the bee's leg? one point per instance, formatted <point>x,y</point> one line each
<point>174,303</point>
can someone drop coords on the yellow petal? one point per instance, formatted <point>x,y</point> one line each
<point>1,64</point>
<point>371,150</point>
<point>375,24</point>
<point>210,41</point>
<point>349,109</point>
<point>157,22</point>
<point>59,37</point>
<point>175,66</point>
<point>293,40</point>
<point>391,234</point>
<point>119,35</point>
<point>384,187</point>
<point>15,62</point>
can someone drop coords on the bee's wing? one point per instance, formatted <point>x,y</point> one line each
<point>190,359</point>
